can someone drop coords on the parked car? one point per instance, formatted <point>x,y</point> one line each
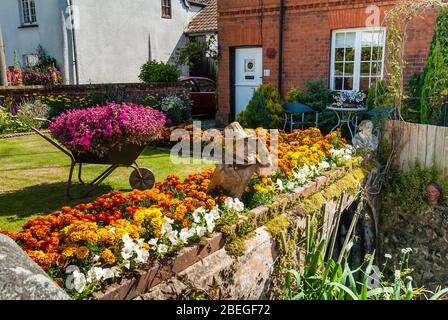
<point>203,96</point>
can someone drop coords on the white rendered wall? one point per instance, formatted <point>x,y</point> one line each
<point>26,40</point>
<point>112,42</point>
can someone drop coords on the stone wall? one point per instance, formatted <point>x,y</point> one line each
<point>118,92</point>
<point>21,278</point>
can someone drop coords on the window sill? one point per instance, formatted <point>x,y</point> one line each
<point>166,17</point>
<point>26,26</point>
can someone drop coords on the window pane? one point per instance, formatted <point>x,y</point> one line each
<point>349,69</point>
<point>338,83</point>
<point>365,69</point>
<point>206,86</point>
<point>348,83</point>
<point>339,56</point>
<point>365,54</point>
<point>340,40</point>
<point>376,68</point>
<point>364,84</point>
<point>338,69</point>
<point>350,54</point>
<point>367,39</point>
<point>377,53</point>
<point>350,39</point>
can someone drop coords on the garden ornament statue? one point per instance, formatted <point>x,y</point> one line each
<point>233,176</point>
<point>436,202</point>
<point>365,139</point>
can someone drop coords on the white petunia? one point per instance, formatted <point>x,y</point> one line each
<point>238,205</point>
<point>71,269</point>
<point>153,241</point>
<point>162,248</point>
<point>79,281</point>
<point>197,214</point>
<point>142,255</point>
<point>109,273</point>
<point>280,185</point>
<point>184,235</point>
<point>388,256</point>
<point>95,274</point>
<point>127,252</point>
<point>215,213</point>
<point>200,231</point>
<point>210,227</point>
<point>173,237</point>
<point>166,228</point>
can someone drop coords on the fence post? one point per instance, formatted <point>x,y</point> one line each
<point>3,79</point>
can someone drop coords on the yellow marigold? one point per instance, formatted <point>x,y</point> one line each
<point>91,237</point>
<point>69,251</point>
<point>257,187</point>
<point>82,252</point>
<point>108,256</point>
<point>105,236</point>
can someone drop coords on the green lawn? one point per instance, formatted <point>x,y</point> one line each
<point>33,177</point>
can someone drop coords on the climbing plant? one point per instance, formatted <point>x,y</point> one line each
<point>398,20</point>
<point>435,78</point>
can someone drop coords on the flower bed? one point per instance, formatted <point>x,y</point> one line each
<point>90,245</point>
<point>97,130</point>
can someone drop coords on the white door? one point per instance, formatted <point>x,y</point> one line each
<point>248,75</point>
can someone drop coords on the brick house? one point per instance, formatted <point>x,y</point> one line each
<point>340,42</point>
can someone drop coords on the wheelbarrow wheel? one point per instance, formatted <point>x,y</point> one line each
<point>142,179</point>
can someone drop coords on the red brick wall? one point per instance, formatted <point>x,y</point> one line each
<point>307,38</point>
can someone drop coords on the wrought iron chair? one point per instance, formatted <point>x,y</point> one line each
<point>292,109</point>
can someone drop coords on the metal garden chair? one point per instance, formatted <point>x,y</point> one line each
<point>292,109</point>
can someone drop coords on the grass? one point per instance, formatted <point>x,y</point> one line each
<point>33,178</point>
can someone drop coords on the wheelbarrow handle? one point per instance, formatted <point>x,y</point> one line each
<point>54,143</point>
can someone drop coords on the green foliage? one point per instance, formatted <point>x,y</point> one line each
<point>412,105</point>
<point>295,95</point>
<point>194,51</point>
<point>44,59</point>
<point>264,109</point>
<point>435,78</point>
<point>378,96</point>
<point>158,72</point>
<point>24,120</point>
<point>332,280</point>
<point>407,190</point>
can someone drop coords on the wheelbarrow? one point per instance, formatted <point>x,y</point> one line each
<point>140,178</point>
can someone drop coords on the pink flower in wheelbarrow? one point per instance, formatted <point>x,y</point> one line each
<point>99,128</point>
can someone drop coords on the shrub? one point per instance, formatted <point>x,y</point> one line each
<point>435,78</point>
<point>154,71</point>
<point>176,109</point>
<point>317,96</point>
<point>97,129</point>
<point>264,109</point>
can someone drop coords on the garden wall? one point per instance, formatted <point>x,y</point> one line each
<point>421,143</point>
<point>100,93</point>
<point>213,268</point>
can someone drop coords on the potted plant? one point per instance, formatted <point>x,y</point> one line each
<point>349,99</point>
<point>111,134</point>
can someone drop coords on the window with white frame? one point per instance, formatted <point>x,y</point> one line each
<point>28,11</point>
<point>166,9</point>
<point>357,58</point>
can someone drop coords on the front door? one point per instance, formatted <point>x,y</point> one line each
<point>248,75</point>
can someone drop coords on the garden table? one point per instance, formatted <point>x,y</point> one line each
<point>348,116</point>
